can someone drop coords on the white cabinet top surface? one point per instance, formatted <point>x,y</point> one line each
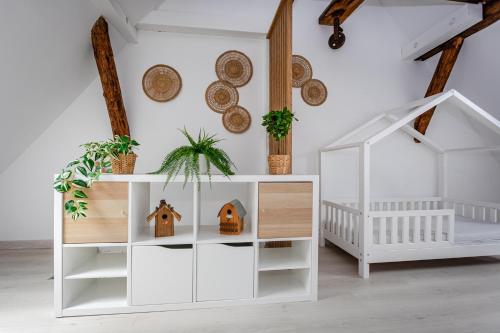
<point>214,179</point>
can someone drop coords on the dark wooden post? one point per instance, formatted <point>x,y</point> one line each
<point>105,61</point>
<point>438,82</point>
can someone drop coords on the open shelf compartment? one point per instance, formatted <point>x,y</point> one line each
<point>95,262</point>
<point>298,256</point>
<point>146,197</point>
<point>284,283</point>
<point>95,293</point>
<point>213,197</point>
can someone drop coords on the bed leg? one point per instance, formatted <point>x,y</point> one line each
<point>363,269</point>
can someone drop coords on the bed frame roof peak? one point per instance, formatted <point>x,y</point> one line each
<point>415,109</point>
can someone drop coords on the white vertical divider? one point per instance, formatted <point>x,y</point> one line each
<point>254,200</point>
<point>139,204</point>
<point>196,227</point>
<point>58,255</point>
<point>313,270</point>
<point>364,205</point>
<point>406,230</point>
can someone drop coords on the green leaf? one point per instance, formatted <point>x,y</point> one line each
<point>82,170</point>
<point>79,194</point>
<point>80,183</point>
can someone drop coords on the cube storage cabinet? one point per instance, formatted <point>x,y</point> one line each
<point>113,263</point>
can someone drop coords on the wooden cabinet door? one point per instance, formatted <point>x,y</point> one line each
<point>285,210</point>
<point>107,215</point>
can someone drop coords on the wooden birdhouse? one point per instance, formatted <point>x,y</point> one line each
<point>231,218</point>
<point>164,215</point>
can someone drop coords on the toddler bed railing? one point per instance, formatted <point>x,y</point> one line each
<point>401,229</point>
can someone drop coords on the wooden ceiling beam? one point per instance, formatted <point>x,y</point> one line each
<point>341,8</point>
<point>105,61</point>
<point>491,14</point>
<point>438,82</point>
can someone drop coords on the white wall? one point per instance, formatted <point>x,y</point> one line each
<point>27,182</point>
<point>363,77</point>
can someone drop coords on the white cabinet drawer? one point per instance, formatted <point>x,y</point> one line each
<point>225,271</point>
<point>162,274</point>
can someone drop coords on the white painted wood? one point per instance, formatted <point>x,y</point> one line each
<point>210,234</point>
<point>87,273</point>
<point>224,272</point>
<point>446,28</point>
<point>343,146</point>
<point>161,275</point>
<point>296,257</point>
<point>288,283</point>
<point>100,293</point>
<point>183,234</point>
<point>113,13</point>
<point>359,129</point>
<point>365,230</point>
<point>101,265</point>
<point>58,255</point>
<point>417,135</point>
<point>472,149</point>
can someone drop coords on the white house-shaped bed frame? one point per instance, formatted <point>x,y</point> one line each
<point>416,229</point>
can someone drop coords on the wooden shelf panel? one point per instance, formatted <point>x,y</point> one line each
<point>103,265</point>
<point>182,235</point>
<point>277,284</point>
<point>102,293</point>
<point>282,258</point>
<point>210,234</point>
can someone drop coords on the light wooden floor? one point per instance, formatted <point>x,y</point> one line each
<point>436,296</point>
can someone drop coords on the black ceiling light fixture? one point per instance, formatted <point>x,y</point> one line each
<point>337,39</point>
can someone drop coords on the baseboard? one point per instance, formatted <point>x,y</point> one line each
<point>27,244</point>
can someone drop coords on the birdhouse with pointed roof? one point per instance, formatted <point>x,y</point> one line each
<point>231,218</point>
<point>164,216</point>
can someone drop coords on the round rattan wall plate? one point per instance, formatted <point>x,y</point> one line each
<point>314,92</point>
<point>234,67</point>
<point>301,71</point>
<point>221,95</point>
<point>161,83</point>
<point>236,119</point>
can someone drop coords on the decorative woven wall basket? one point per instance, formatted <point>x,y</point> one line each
<point>234,67</point>
<point>301,71</point>
<point>221,95</point>
<point>314,92</point>
<point>236,119</point>
<point>125,164</point>
<point>161,83</point>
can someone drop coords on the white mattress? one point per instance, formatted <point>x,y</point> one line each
<point>466,232</point>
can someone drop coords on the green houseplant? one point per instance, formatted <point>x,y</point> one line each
<point>80,173</point>
<point>278,124</point>
<point>189,158</point>
<point>121,150</point>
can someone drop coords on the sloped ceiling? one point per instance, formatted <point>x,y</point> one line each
<point>46,62</point>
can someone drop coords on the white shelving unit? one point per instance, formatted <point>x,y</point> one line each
<point>107,278</point>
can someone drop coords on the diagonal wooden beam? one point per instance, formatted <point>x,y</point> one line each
<point>438,82</point>
<point>341,8</point>
<point>105,61</point>
<point>491,14</point>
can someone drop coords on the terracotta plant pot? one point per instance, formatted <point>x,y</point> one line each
<point>124,165</point>
<point>278,164</point>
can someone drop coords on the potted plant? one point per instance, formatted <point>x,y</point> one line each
<point>123,158</point>
<point>79,174</point>
<point>278,125</point>
<point>196,158</point>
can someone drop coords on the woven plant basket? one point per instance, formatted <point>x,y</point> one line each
<point>278,164</point>
<point>124,165</point>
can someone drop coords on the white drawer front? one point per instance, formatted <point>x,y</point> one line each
<point>161,275</point>
<point>224,271</point>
